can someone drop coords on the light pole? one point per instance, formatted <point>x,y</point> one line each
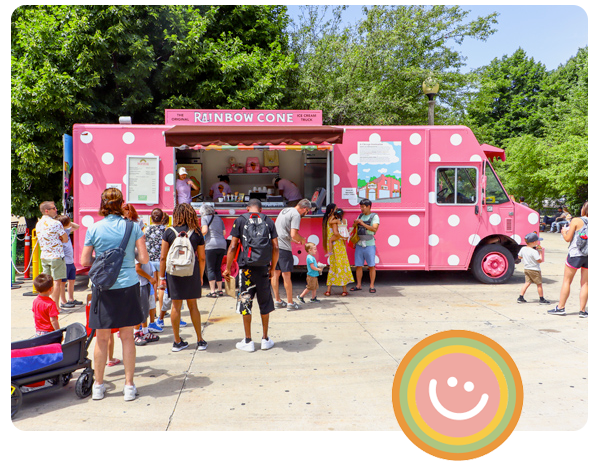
<point>430,87</point>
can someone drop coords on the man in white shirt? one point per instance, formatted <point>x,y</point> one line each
<point>50,236</point>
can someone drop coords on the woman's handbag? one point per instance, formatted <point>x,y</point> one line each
<point>353,239</point>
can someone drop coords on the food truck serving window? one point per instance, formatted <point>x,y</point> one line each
<point>495,193</point>
<point>457,185</point>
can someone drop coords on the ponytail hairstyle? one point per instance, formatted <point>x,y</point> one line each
<point>156,216</point>
<point>111,202</point>
<point>325,220</point>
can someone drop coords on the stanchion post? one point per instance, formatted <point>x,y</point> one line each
<point>35,263</point>
<point>27,255</point>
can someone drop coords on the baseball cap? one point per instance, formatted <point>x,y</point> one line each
<point>182,171</point>
<point>531,237</point>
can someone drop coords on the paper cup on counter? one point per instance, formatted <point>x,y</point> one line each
<point>220,199</point>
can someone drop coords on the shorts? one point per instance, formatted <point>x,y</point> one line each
<point>256,283</point>
<point>144,296</point>
<point>311,283</point>
<point>365,254</point>
<point>71,272</point>
<point>533,276</point>
<point>578,262</point>
<point>55,268</point>
<point>285,263</point>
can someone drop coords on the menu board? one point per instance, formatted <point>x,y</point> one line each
<point>142,179</point>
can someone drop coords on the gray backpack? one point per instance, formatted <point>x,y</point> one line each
<point>582,238</point>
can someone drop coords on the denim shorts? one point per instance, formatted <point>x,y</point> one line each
<point>365,254</point>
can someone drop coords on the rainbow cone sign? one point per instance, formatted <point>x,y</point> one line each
<point>457,395</point>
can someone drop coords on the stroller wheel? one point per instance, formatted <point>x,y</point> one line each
<point>16,399</point>
<point>66,378</point>
<point>83,387</point>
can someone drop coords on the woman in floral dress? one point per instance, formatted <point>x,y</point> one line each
<point>334,244</point>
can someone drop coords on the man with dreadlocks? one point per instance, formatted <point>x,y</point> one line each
<point>185,222</point>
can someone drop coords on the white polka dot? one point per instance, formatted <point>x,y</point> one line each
<point>231,211</point>
<point>452,381</point>
<point>295,260</point>
<point>125,178</point>
<point>374,137</point>
<point>476,158</point>
<point>353,159</point>
<point>128,138</point>
<point>533,218</point>
<point>87,221</point>
<point>87,179</point>
<point>393,240</point>
<point>314,239</point>
<point>453,260</point>
<point>474,239</point>
<point>107,158</point>
<point>86,137</point>
<point>468,386</point>
<point>495,219</point>
<point>376,259</point>
<point>453,220</point>
<point>432,197</point>
<point>415,179</point>
<point>517,239</point>
<point>455,139</point>
<point>353,201</point>
<point>433,240</point>
<point>149,154</point>
<point>336,179</point>
<point>415,139</point>
<point>168,179</point>
<point>414,220</point>
<point>434,158</point>
<point>413,259</point>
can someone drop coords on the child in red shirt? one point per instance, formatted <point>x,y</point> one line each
<point>45,312</point>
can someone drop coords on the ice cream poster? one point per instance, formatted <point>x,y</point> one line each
<point>379,171</point>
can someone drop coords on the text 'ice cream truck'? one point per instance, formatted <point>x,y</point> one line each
<point>441,205</point>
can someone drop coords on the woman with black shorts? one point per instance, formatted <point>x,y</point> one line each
<point>213,229</point>
<point>119,307</point>
<point>188,288</point>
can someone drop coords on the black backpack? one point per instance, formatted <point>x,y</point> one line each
<point>256,241</point>
<point>105,269</point>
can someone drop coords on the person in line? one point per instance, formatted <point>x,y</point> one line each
<point>334,245</point>
<point>131,214</point>
<point>312,274</point>
<point>213,229</point>
<point>50,237</point>
<point>154,233</point>
<point>576,260</point>
<point>221,188</point>
<point>254,281</point>
<point>45,312</point>
<point>532,269</point>
<point>184,187</point>
<point>188,288</point>
<point>367,224</point>
<point>120,306</point>
<point>147,280</point>
<point>289,190</point>
<point>69,260</point>
<point>287,224</point>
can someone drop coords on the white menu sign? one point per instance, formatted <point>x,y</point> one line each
<point>142,179</point>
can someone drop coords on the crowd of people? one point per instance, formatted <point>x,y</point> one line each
<point>166,265</point>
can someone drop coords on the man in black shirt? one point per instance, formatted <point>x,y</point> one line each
<point>253,280</point>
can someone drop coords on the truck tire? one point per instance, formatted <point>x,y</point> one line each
<point>493,264</point>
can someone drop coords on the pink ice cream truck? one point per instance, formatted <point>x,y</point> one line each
<point>441,205</point>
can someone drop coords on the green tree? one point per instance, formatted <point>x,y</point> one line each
<point>372,72</point>
<point>88,63</point>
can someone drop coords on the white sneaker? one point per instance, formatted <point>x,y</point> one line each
<point>243,346</point>
<point>98,392</point>
<point>130,391</point>
<point>293,306</point>
<point>267,343</point>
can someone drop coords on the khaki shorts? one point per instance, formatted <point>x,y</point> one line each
<point>56,268</point>
<point>532,276</point>
<point>311,283</point>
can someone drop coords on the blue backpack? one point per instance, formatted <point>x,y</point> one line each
<point>105,269</point>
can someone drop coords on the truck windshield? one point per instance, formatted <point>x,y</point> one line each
<point>495,192</point>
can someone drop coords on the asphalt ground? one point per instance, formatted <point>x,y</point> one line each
<point>331,370</point>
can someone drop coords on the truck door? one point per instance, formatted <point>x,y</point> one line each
<point>454,218</point>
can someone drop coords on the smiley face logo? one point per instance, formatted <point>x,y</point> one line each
<point>457,395</point>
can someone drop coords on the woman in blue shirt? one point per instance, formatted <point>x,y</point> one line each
<point>119,307</point>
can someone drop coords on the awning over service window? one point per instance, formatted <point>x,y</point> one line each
<point>252,135</point>
<point>493,152</point>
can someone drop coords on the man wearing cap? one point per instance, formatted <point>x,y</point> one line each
<point>184,186</point>
<point>289,190</point>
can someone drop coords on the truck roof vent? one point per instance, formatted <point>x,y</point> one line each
<point>125,120</point>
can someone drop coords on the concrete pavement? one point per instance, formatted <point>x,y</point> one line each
<point>333,364</point>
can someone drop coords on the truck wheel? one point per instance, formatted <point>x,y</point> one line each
<point>493,264</point>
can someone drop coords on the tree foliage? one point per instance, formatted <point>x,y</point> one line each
<point>91,64</point>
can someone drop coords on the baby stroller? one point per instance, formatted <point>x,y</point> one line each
<point>43,363</point>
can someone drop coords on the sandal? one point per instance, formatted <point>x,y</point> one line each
<point>212,295</point>
<point>220,293</point>
<point>344,293</point>
<point>113,362</point>
<point>327,293</point>
<point>372,290</point>
<point>355,288</point>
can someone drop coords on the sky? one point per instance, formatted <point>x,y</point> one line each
<point>550,34</point>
